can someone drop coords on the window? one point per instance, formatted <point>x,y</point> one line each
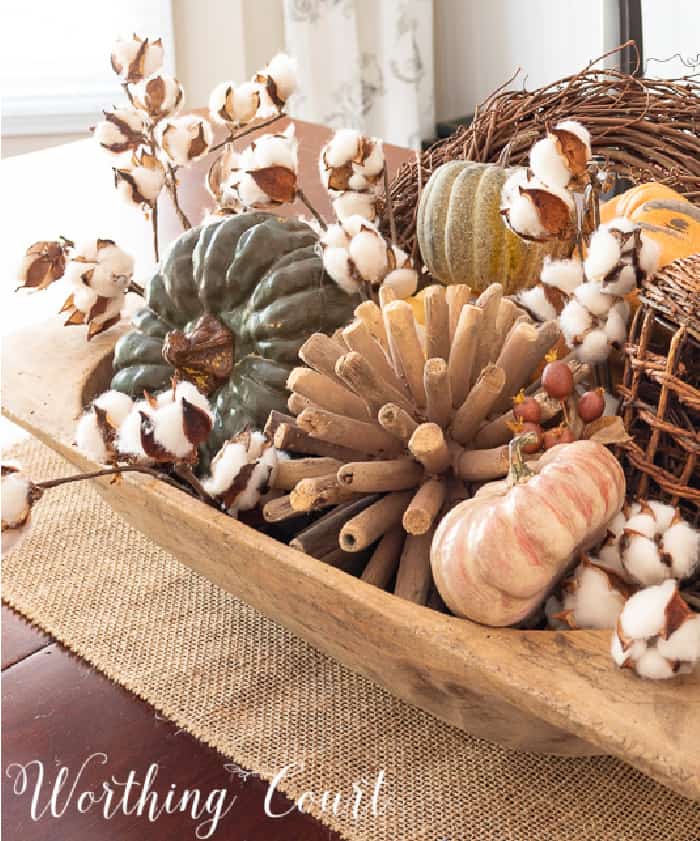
<point>55,72</point>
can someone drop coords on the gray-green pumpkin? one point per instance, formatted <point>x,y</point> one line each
<point>262,278</point>
<point>462,236</point>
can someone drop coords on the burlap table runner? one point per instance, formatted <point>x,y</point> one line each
<point>265,698</point>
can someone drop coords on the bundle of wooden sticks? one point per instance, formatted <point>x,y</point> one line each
<point>398,421</point>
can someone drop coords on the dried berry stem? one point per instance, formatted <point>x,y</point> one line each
<point>136,288</point>
<point>184,471</point>
<point>154,224</point>
<point>171,183</point>
<point>301,195</point>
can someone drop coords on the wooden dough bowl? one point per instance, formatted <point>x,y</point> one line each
<point>538,691</point>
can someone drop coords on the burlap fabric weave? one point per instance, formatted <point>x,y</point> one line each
<point>263,697</point>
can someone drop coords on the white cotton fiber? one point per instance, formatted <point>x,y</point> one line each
<point>624,226</point>
<point>684,643</point>
<point>248,192</point>
<point>169,430</point>
<point>367,250</point>
<point>644,614</point>
<point>682,542</point>
<point>649,255</point>
<point>524,218</point>
<point>373,164</point>
<point>350,204</point>
<point>116,404</point>
<point>576,128</point>
<point>14,499</point>
<point>574,321</point>
<point>594,601</point>
<point>193,395</point>
<point>644,523</point>
<point>403,281</point>
<point>548,164</point>
<point>593,298</point>
<point>336,262</point>
<point>603,254</point>
<point>283,71</point>
<point>334,237</point>
<point>624,283</point>
<point>129,434</point>
<point>89,440</point>
<point>256,445</point>
<point>84,298</point>
<point>277,150</point>
<point>643,562</point>
<point>663,514</point>
<point>357,182</point>
<point>149,182</point>
<point>562,274</point>
<point>225,466</point>
<point>594,347</point>
<point>615,327</point>
<point>342,147</point>
<point>653,665</point>
<point>536,302</point>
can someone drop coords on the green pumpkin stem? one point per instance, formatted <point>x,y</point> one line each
<point>519,471</point>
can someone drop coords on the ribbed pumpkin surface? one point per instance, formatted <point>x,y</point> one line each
<point>261,276</point>
<point>461,234</point>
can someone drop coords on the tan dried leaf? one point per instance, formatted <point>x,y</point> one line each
<point>608,429</point>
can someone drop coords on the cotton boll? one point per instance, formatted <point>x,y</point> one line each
<point>594,601</point>
<point>404,282</point>
<point>277,150</point>
<point>160,95</point>
<point>603,254</point>
<point>354,224</point>
<point>574,321</point>
<point>89,439</point>
<point>663,514</point>
<point>15,499</point>
<point>116,261</point>
<point>593,298</point>
<point>129,433</point>
<point>336,262</point>
<point>684,643</point>
<point>133,58</point>
<point>258,482</point>
<point>334,237</point>
<point>562,274</point>
<point>624,283</point>
<point>367,250</point>
<point>116,404</point>
<point>547,164</point>
<point>185,139</point>
<point>355,204</point>
<point>342,147</point>
<point>682,543</point>
<point>642,560</point>
<point>616,328</point>
<point>247,191</point>
<point>169,430</point>
<point>357,182</point>
<point>644,614</point>
<point>609,559</point>
<point>107,284</point>
<point>524,218</point>
<point>283,71</point>
<point>652,665</point>
<point>594,347</point>
<point>225,466</point>
<point>643,522</point>
<point>373,164</point>
<point>84,298</point>
<point>576,128</point>
<point>121,130</point>
<point>649,255</point>
<point>536,302</point>
<point>622,654</point>
<point>193,395</point>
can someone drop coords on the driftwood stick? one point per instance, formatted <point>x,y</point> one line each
<point>437,323</point>
<point>288,436</point>
<point>276,419</point>
<point>343,431</point>
<point>322,537</point>
<point>327,393</point>
<point>319,492</point>
<point>358,337</point>
<point>385,559</point>
<point>508,314</point>
<point>374,521</point>
<point>296,403</point>
<point>320,352</point>
<point>370,315</point>
<point>457,295</point>
<point>463,352</point>
<point>489,302</point>
<point>414,576</point>
<point>398,474</point>
<point>438,391</point>
<point>401,327</point>
<point>354,370</point>
<point>279,509</point>
<point>350,562</point>
<point>483,465</point>
<point>517,358</point>
<point>478,403</point>
<point>425,506</point>
<point>290,472</point>
<point>397,422</point>
<point>428,445</point>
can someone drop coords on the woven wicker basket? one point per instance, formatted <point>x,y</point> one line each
<point>661,389</point>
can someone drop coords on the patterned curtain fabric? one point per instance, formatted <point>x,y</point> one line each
<point>364,64</point>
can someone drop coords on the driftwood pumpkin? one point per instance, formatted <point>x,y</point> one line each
<point>665,215</point>
<point>462,236</point>
<point>495,557</point>
<point>229,308</point>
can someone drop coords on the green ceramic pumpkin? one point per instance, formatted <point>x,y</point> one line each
<point>462,236</point>
<point>262,278</point>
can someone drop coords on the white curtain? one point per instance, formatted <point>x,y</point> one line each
<point>364,64</point>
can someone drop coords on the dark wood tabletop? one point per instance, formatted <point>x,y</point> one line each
<point>60,712</point>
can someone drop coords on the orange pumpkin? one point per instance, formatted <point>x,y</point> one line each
<point>667,216</point>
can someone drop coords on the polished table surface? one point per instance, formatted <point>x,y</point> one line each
<point>55,707</point>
